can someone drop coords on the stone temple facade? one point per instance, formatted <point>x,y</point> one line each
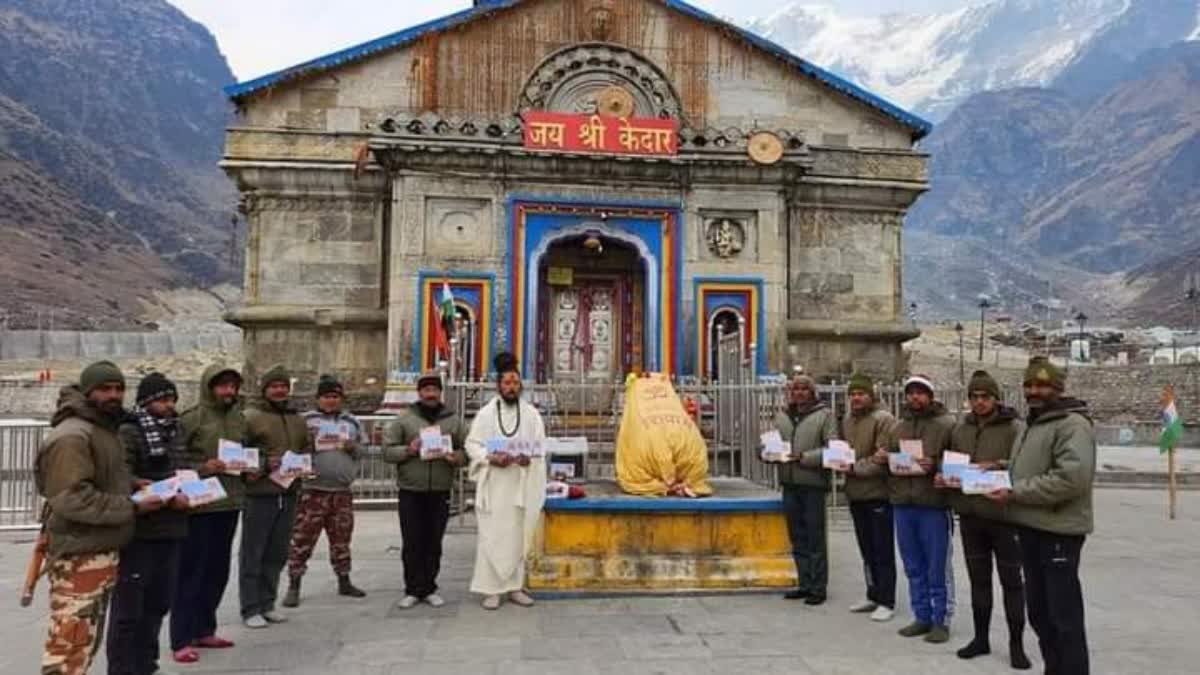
<point>375,179</point>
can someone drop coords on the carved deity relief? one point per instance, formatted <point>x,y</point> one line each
<point>726,237</point>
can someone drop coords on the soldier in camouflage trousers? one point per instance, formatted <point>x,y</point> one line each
<point>327,503</point>
<point>81,472</point>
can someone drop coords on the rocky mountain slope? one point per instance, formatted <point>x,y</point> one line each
<point>111,123</point>
<point>1103,185</point>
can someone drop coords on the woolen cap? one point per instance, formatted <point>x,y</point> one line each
<point>328,384</point>
<point>430,379</point>
<point>861,382</point>
<point>1041,371</point>
<point>981,380</point>
<point>274,374</point>
<point>919,381</point>
<point>99,373</point>
<point>154,387</point>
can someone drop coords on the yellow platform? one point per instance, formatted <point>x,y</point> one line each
<point>611,543</point>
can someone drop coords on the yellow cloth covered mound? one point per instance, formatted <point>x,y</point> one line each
<point>659,449</point>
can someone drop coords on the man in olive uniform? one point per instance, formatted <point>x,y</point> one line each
<point>89,515</point>
<point>987,436</point>
<point>1052,470</point>
<point>867,429</point>
<point>807,425</point>
<point>923,522</point>
<point>275,428</point>
<point>424,487</point>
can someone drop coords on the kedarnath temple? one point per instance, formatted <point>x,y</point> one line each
<point>603,186</point>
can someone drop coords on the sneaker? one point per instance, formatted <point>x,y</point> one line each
<point>883,614</point>
<point>434,600</point>
<point>274,617</point>
<point>491,602</point>
<point>408,602</point>
<point>256,621</point>
<point>915,629</point>
<point>863,607</point>
<point>521,598</point>
<point>938,635</point>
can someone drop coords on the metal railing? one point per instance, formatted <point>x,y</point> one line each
<point>731,416</point>
<point>20,503</point>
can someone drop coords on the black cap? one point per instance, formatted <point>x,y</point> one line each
<point>154,387</point>
<point>328,384</point>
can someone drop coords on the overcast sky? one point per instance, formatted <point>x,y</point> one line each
<point>261,36</point>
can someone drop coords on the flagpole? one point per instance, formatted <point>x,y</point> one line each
<point>1171,483</point>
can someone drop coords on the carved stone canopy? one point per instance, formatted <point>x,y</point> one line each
<point>580,78</point>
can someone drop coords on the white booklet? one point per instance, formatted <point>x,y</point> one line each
<point>433,443</point>
<point>839,456</point>
<point>975,482</point>
<point>237,458</point>
<point>165,490</point>
<point>774,447</point>
<point>200,492</point>
<point>953,466</point>
<point>904,464</point>
<point>331,436</point>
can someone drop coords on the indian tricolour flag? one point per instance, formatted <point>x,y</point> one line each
<point>1172,424</point>
<point>445,319</point>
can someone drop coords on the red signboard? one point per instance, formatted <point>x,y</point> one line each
<point>601,134</point>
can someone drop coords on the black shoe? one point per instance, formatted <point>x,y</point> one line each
<point>1017,657</point>
<point>292,598</point>
<point>815,600</point>
<point>974,648</point>
<point>797,594</point>
<point>348,589</point>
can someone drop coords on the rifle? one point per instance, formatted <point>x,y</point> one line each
<point>37,563</point>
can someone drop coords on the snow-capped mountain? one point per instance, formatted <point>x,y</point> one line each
<point>931,62</point>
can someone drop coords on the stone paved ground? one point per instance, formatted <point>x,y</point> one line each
<point>1140,575</point>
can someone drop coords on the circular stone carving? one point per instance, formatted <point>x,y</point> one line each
<point>614,102</point>
<point>576,79</point>
<point>765,148</point>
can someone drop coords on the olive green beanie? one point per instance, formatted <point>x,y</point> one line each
<point>861,382</point>
<point>1041,371</point>
<point>99,373</point>
<point>981,380</point>
<point>277,373</point>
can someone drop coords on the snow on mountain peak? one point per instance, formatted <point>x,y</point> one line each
<point>930,62</point>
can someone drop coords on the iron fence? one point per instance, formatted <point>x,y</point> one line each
<point>20,503</point>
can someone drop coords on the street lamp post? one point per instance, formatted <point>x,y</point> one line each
<point>983,307</point>
<point>1193,296</point>
<point>962,370</point>
<point>1082,319</point>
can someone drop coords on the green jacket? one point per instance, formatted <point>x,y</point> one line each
<point>274,430</point>
<point>204,425</point>
<point>81,472</point>
<point>866,433</point>
<point>809,432</point>
<point>932,427</point>
<point>1052,470</point>
<point>413,473</point>
<point>989,440</point>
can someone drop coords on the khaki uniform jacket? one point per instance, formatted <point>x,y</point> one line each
<point>808,432</point>
<point>867,433</point>
<point>1052,470</point>
<point>413,473</point>
<point>989,440</point>
<point>932,427</point>
<point>204,425</point>
<point>275,431</point>
<point>81,471</point>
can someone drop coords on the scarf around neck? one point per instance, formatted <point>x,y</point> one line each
<point>158,431</point>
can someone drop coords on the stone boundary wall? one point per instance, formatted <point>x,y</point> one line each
<point>36,399</point>
<point>23,345</point>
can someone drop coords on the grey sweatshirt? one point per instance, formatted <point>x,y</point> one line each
<point>335,469</point>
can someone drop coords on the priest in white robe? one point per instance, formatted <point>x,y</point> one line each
<point>509,490</point>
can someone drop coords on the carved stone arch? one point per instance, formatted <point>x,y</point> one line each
<point>571,79</point>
